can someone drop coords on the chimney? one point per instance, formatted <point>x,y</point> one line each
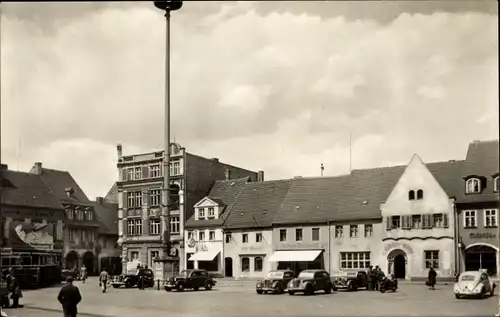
<point>227,173</point>
<point>260,176</point>
<point>100,200</point>
<point>4,167</point>
<point>69,191</point>
<point>119,150</point>
<point>37,168</point>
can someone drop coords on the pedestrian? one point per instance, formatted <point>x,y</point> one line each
<point>369,278</point>
<point>375,278</point>
<point>431,279</point>
<point>69,297</point>
<point>83,273</point>
<point>14,288</point>
<point>103,280</point>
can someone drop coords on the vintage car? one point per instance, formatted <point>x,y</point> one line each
<point>131,280</point>
<point>275,282</point>
<point>350,280</point>
<point>190,279</point>
<point>473,284</point>
<point>310,281</point>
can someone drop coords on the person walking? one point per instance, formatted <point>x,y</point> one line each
<point>14,288</point>
<point>431,279</point>
<point>103,280</point>
<point>369,278</point>
<point>83,273</point>
<point>69,297</point>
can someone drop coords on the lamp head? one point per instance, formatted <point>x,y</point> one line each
<point>168,5</point>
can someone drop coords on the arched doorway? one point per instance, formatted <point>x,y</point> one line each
<point>481,256</point>
<point>88,261</point>
<point>71,261</point>
<point>397,263</point>
<point>228,267</point>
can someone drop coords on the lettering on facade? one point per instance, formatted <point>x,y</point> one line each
<point>201,247</point>
<point>396,245</point>
<point>252,248</point>
<point>300,245</point>
<point>478,235</point>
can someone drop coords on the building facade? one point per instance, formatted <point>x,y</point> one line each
<point>139,192</point>
<point>81,226</point>
<point>477,208</point>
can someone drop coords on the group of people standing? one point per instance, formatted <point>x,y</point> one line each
<point>373,276</point>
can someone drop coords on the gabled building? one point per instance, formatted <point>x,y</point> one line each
<point>477,208</point>
<point>81,225</point>
<point>204,241</point>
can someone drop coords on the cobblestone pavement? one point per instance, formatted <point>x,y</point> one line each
<point>238,298</point>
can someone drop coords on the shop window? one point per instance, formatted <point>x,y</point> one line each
<point>282,235</point>
<point>258,264</point>
<point>431,259</point>
<point>420,194</point>
<point>411,195</point>
<point>245,264</point>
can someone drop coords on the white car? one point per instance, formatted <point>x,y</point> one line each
<point>473,284</point>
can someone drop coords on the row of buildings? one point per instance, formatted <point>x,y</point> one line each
<point>404,219</point>
<point>47,219</point>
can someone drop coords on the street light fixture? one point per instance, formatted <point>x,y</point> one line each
<point>167,255</point>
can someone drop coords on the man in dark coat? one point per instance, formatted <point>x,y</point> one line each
<point>14,287</point>
<point>431,279</point>
<point>69,297</point>
<point>369,278</point>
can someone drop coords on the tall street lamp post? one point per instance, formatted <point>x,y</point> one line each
<point>167,257</point>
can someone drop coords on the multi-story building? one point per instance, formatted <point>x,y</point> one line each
<point>81,226</point>
<point>140,198</point>
<point>477,207</point>
<point>108,251</point>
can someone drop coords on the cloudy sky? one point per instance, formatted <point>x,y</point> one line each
<point>276,86</point>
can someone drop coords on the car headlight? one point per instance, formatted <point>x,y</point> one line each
<point>259,284</point>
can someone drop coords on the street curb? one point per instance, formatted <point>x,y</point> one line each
<point>60,311</point>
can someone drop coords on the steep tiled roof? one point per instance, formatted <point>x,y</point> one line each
<point>27,190</point>
<point>223,192</point>
<point>257,204</point>
<point>482,160</point>
<point>107,214</point>
<point>58,181</point>
<point>112,195</point>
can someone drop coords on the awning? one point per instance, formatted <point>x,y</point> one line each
<point>295,256</point>
<point>203,256</point>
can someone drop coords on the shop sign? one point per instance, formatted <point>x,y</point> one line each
<point>252,248</point>
<point>201,247</point>
<point>478,235</point>
<point>396,245</point>
<point>191,243</point>
<point>300,245</point>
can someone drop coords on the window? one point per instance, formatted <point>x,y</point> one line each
<point>420,194</point>
<point>201,236</point>
<point>245,265</point>
<point>396,222</point>
<point>416,221</point>
<point>469,219</point>
<point>154,226</point>
<point>138,172</point>
<point>368,230</point>
<point>130,199</point>
<point>134,227</point>
<point>190,235</point>
<point>431,259</point>
<point>154,254</point>
<point>201,213</point>
<point>245,238</point>
<point>134,199</point>
<point>353,231</point>
<point>315,234</point>
<point>228,237</point>
<point>79,215</point>
<point>211,236</point>
<point>339,232</point>
<point>211,213</point>
<point>354,260</point>
<point>411,195</point>
<point>438,220</point>
<point>282,235</point>
<point>175,224</point>
<point>258,237</point>
<point>71,214</point>
<point>155,197</point>
<point>257,264</point>
<point>298,234</point>
<point>90,215</point>
<point>130,173</point>
<point>472,186</point>
<point>154,170</point>
<point>138,198</point>
<point>134,256</point>
<point>490,218</point>
<point>175,168</point>
<point>496,183</point>
<point>71,236</point>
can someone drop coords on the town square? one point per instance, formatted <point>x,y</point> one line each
<point>249,158</point>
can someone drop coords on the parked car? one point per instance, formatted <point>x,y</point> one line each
<point>474,284</point>
<point>388,283</point>
<point>310,281</point>
<point>132,280</point>
<point>350,281</point>
<point>190,279</point>
<point>275,282</point>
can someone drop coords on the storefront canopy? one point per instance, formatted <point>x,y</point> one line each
<point>204,256</point>
<point>295,256</point>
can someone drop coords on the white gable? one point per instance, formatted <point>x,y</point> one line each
<point>206,202</point>
<point>416,177</point>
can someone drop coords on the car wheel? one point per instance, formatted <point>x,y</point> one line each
<point>208,286</point>
<point>128,284</point>
<point>180,288</point>
<point>457,296</point>
<point>279,289</point>
<point>382,290</point>
<point>334,288</point>
<point>309,290</point>
<point>168,289</point>
<point>328,289</point>
<point>291,292</point>
<point>116,286</point>
<point>351,287</point>
<point>259,291</point>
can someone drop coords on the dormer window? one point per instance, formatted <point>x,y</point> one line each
<point>473,186</point>
<point>211,213</point>
<point>201,213</point>
<point>411,195</point>
<point>495,184</point>
<point>420,194</point>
